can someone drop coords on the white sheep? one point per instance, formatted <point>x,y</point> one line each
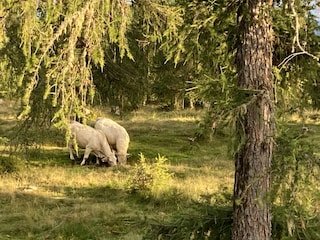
<point>92,140</point>
<point>117,137</point>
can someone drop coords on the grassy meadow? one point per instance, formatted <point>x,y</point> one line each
<point>169,179</point>
<point>44,196</point>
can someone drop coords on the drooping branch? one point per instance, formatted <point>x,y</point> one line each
<point>296,39</point>
<point>61,46</point>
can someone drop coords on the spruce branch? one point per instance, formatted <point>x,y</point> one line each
<point>296,40</point>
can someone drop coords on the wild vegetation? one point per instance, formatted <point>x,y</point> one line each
<point>172,188</point>
<point>44,196</point>
<point>247,66</point>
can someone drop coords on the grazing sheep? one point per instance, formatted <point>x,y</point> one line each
<point>92,140</point>
<point>117,137</point>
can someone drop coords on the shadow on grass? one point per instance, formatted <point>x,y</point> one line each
<point>209,222</point>
<point>108,213</point>
<point>82,213</point>
<point>208,218</point>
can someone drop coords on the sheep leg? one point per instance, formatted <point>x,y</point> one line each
<point>98,155</point>
<point>72,142</point>
<point>97,160</point>
<point>86,155</point>
<point>71,151</point>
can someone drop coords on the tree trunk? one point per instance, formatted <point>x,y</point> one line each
<point>251,213</point>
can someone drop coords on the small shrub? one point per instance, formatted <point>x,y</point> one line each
<point>8,165</point>
<point>149,178</point>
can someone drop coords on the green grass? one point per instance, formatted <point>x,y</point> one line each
<point>44,196</point>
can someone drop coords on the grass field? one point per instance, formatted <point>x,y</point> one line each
<point>44,196</point>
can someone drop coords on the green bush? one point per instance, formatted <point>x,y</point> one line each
<point>149,177</point>
<point>8,165</point>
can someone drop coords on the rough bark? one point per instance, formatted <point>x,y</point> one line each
<point>251,215</point>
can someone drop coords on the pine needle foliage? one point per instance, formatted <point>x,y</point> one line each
<point>295,192</point>
<point>160,21</point>
<point>60,41</point>
<point>296,74</point>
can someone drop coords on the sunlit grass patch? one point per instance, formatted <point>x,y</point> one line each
<point>152,112</point>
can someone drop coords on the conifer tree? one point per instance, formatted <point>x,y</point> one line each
<point>252,216</point>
